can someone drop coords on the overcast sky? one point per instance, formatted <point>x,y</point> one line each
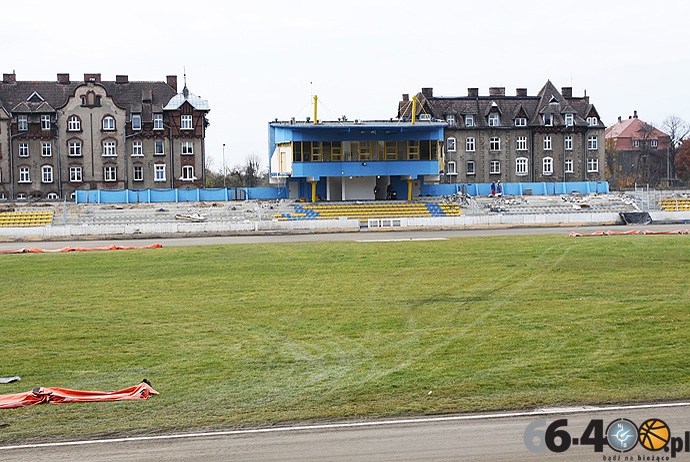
<point>255,61</point>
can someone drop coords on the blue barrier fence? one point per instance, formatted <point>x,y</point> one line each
<point>127,196</point>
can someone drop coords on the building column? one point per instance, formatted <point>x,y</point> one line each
<point>313,191</point>
<point>409,189</point>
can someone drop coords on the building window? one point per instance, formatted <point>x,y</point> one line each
<point>75,174</point>
<point>548,120</point>
<point>450,119</point>
<point>547,143</point>
<point>109,149</point>
<point>521,143</point>
<point>24,175</point>
<point>136,121</point>
<point>46,149</point>
<point>187,148</point>
<point>548,165</point>
<point>520,122</point>
<point>73,124</point>
<point>636,143</point>
<point>23,123</point>
<point>52,196</point>
<point>569,120</point>
<point>495,143</point>
<point>469,144</point>
<point>188,173</point>
<point>186,122</point>
<point>592,143</point>
<point>75,148</point>
<point>159,172</point>
<point>521,166</point>
<point>592,121</point>
<point>568,143</point>
<point>592,164</point>
<point>46,174</point>
<point>452,169</point>
<point>568,166</point>
<point>469,120</point>
<point>158,148</point>
<point>23,149</point>
<point>495,167</point>
<point>108,123</point>
<point>158,121</point>
<point>137,150</point>
<point>470,167</point>
<point>451,144</point>
<point>110,173</point>
<point>45,122</point>
<point>138,173</point>
<point>494,119</point>
<point>653,143</point>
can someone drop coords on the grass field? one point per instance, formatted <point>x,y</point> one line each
<point>244,335</point>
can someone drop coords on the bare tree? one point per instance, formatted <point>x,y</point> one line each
<point>678,130</point>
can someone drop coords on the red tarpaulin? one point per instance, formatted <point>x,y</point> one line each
<point>63,395</point>
<point>81,249</point>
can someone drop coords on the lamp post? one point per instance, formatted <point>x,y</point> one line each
<point>224,175</point>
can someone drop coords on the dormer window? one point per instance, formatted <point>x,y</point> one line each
<point>469,120</point>
<point>569,120</point>
<point>450,119</point>
<point>591,121</point>
<point>548,120</point>
<point>23,123</point>
<point>520,121</point>
<point>136,121</point>
<point>494,119</point>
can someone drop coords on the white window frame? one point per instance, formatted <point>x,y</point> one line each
<point>495,167</point>
<point>592,165</point>
<point>109,148</point>
<point>469,120</point>
<point>592,143</point>
<point>137,149</point>
<point>569,120</point>
<point>46,174</point>
<point>470,167</point>
<point>156,144</point>
<point>24,175</point>
<point>110,173</point>
<point>46,149</point>
<point>452,168</point>
<point>159,172</point>
<point>592,121</point>
<point>22,123</point>
<point>568,142</point>
<point>75,175</point>
<point>138,173</point>
<point>158,121</point>
<point>450,144</point>
<point>186,122</point>
<point>547,143</point>
<point>108,123</point>
<point>520,122</point>
<point>74,148</point>
<point>521,143</point>
<point>653,143</point>
<point>569,166</point>
<point>547,166</point>
<point>636,143</point>
<point>470,145</point>
<point>548,119</point>
<point>450,120</point>
<point>187,148</point>
<point>73,124</point>
<point>45,122</point>
<point>494,119</point>
<point>495,143</point>
<point>23,149</point>
<point>187,173</point>
<point>136,121</point>
<point>521,166</point>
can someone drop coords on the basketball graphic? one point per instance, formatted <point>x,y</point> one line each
<point>654,434</point>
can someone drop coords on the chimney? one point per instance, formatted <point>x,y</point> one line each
<point>635,114</point>
<point>63,78</point>
<point>428,92</point>
<point>473,92</point>
<point>567,92</point>
<point>92,77</point>
<point>121,79</point>
<point>9,78</point>
<point>620,119</point>
<point>521,92</point>
<point>172,82</point>
<point>497,91</point>
<point>406,97</point>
